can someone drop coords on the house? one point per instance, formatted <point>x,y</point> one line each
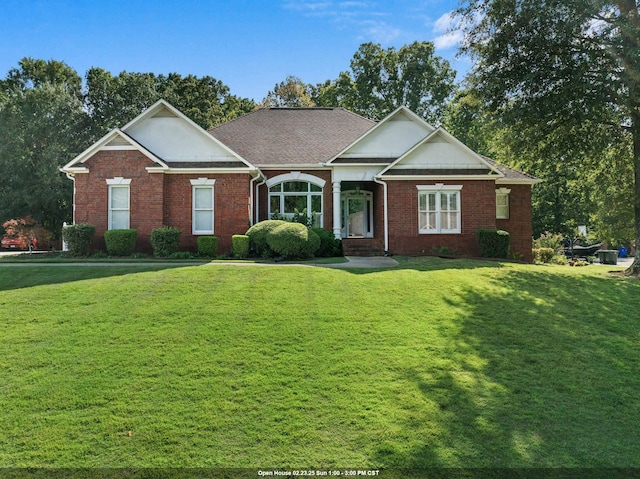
<point>398,185</point>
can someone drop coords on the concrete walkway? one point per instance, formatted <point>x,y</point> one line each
<point>364,262</point>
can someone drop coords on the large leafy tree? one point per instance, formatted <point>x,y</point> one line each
<point>556,71</point>
<point>381,80</point>
<point>115,100</point>
<point>43,125</point>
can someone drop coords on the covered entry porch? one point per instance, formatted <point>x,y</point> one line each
<point>358,217</point>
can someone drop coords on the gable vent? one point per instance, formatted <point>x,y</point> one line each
<point>118,141</point>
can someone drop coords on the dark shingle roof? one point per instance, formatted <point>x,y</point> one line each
<point>510,173</point>
<point>292,136</point>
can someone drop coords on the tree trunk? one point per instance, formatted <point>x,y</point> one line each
<point>634,269</point>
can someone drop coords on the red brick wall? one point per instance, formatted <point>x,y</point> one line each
<point>230,207</point>
<point>158,199</point>
<point>146,193</point>
<point>519,223</point>
<point>478,210</point>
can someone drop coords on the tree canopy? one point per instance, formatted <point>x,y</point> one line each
<point>562,75</point>
<point>381,80</point>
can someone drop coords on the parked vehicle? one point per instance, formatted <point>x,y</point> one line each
<point>11,242</point>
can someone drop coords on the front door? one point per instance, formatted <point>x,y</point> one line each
<point>357,218</point>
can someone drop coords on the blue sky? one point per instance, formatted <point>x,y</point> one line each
<point>248,45</point>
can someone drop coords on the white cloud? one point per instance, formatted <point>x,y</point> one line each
<point>448,28</point>
<point>448,40</point>
<point>445,23</point>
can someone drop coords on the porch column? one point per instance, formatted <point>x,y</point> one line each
<point>337,210</point>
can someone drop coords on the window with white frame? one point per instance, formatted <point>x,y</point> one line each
<point>119,203</point>
<point>291,197</point>
<point>439,209</point>
<point>202,206</point>
<point>502,203</point>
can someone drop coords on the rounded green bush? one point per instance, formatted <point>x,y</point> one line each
<point>329,245</point>
<point>207,245</point>
<point>79,238</point>
<point>258,237</point>
<point>120,242</point>
<point>240,246</point>
<point>293,240</point>
<point>164,241</point>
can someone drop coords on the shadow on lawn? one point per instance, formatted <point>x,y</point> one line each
<point>545,380</point>
<point>18,277</point>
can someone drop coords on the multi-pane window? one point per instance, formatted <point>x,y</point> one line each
<point>202,213</point>
<point>289,198</point>
<point>438,210</point>
<point>502,203</point>
<point>119,203</point>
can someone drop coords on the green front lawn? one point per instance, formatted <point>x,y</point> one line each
<point>436,363</point>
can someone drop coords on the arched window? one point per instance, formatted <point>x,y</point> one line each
<point>296,193</point>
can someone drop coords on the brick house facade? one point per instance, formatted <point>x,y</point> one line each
<point>397,186</point>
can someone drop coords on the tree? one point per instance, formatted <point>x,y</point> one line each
<point>115,100</point>
<point>381,80</point>
<point>560,70</point>
<point>292,92</point>
<point>44,125</point>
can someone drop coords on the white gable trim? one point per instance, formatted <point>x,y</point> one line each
<point>451,139</point>
<point>164,104</point>
<point>101,145</point>
<point>371,131</point>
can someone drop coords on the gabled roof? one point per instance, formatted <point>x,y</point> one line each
<point>292,136</point>
<point>152,142</point>
<point>404,167</point>
<point>401,112</point>
<point>116,138</point>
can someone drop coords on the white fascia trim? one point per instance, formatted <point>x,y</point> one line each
<point>203,182</point>
<point>312,166</point>
<point>295,176</point>
<point>439,187</point>
<point>452,139</point>
<point>118,180</point>
<point>381,122</point>
<point>434,178</point>
<point>163,103</point>
<point>506,181</point>
<point>199,171</point>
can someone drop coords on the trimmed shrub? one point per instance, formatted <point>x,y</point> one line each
<point>79,238</point>
<point>293,240</point>
<point>543,255</point>
<point>164,241</point>
<point>207,245</point>
<point>258,237</point>
<point>120,242</point>
<point>329,245</point>
<point>240,246</point>
<point>181,255</point>
<point>493,243</point>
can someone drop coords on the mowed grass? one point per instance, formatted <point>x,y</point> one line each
<point>436,363</point>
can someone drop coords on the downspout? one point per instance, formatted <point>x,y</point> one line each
<point>386,215</point>
<point>254,197</point>
<point>73,205</point>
